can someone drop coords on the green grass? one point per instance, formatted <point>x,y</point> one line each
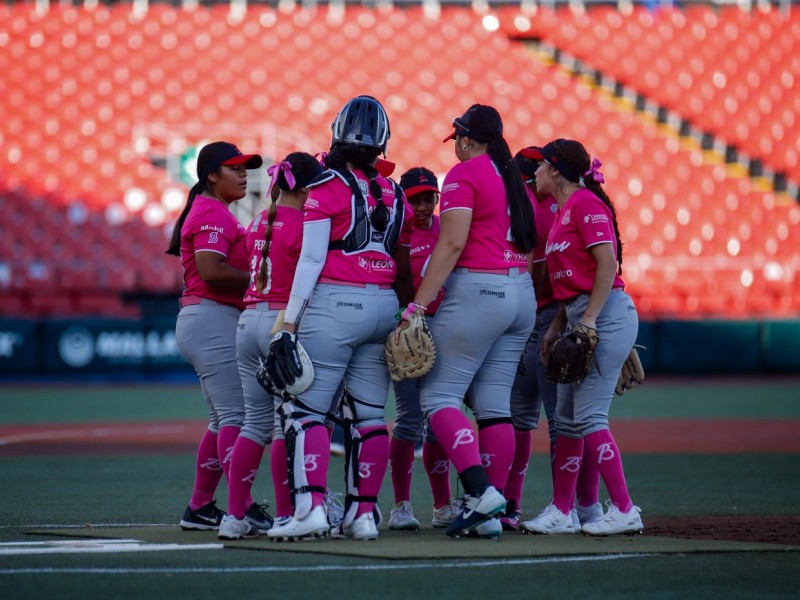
<point>42,492</point>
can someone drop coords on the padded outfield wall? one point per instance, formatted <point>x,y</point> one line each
<point>147,347</point>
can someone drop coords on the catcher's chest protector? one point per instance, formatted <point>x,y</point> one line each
<point>362,236</point>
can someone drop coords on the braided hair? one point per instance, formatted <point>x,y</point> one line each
<point>362,157</point>
<point>574,163</point>
<point>304,168</point>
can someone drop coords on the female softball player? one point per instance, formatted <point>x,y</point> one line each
<point>584,255</point>
<point>531,389</point>
<point>422,192</point>
<point>274,239</point>
<point>211,244</point>
<point>355,254</point>
<point>484,320</point>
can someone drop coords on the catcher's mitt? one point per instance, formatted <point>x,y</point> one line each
<point>411,352</point>
<point>632,372</point>
<point>288,365</point>
<point>571,358</point>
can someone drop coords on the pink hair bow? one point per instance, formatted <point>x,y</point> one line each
<point>594,171</point>
<point>274,172</point>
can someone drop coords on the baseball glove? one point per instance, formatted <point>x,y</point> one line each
<point>571,358</point>
<point>632,372</point>
<point>410,352</point>
<point>288,365</point>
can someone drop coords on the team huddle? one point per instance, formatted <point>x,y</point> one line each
<point>508,300</point>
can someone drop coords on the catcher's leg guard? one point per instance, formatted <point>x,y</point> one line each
<point>296,425</point>
<point>355,467</point>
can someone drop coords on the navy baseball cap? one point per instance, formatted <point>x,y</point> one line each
<point>216,154</point>
<point>527,161</point>
<point>418,180</point>
<point>482,123</point>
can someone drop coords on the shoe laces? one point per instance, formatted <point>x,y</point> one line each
<point>261,510</point>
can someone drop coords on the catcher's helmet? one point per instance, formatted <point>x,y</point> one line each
<point>362,122</point>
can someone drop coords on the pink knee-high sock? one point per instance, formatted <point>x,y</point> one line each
<point>280,479</point>
<point>456,435</point>
<point>375,453</point>
<point>245,460</point>
<point>437,466</point>
<point>226,438</point>
<point>208,471</point>
<point>567,464</point>
<point>588,488</point>
<point>519,466</point>
<point>602,450</point>
<point>497,452</point>
<point>401,459</point>
<point>317,458</point>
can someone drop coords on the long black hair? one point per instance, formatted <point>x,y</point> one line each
<point>174,247</point>
<point>362,157</point>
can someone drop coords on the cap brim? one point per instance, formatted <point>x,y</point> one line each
<point>452,136</point>
<point>532,152</point>
<point>250,161</point>
<point>384,167</point>
<point>418,189</point>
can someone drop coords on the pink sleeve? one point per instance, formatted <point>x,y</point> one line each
<point>457,190</point>
<point>593,220</point>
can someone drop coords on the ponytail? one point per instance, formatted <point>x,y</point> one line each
<point>174,247</point>
<point>523,226</point>
<point>263,271</point>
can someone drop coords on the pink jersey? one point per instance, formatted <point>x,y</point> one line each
<point>422,243</point>
<point>477,185</point>
<point>284,252</point>
<point>331,200</point>
<point>544,213</point>
<point>582,222</point>
<point>210,226</point>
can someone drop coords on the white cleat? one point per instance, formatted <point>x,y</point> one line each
<point>442,517</point>
<point>232,528</point>
<point>550,521</point>
<point>616,522</point>
<point>362,528</point>
<point>402,517</point>
<point>315,525</point>
<point>589,514</point>
<point>488,530</point>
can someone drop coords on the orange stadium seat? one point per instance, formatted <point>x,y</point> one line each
<point>90,129</point>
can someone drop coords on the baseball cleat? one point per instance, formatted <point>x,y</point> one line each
<point>444,516</point>
<point>589,514</point>
<point>315,525</point>
<point>510,520</point>
<point>616,522</point>
<point>205,518</point>
<point>232,528</point>
<point>488,530</point>
<point>551,521</point>
<point>477,510</point>
<point>362,528</point>
<point>402,517</point>
<point>259,518</point>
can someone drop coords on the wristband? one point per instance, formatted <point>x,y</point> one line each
<point>410,310</point>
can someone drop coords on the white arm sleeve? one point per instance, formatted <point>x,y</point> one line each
<point>316,235</point>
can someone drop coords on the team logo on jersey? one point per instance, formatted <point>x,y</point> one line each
<point>565,218</point>
<point>450,187</point>
<point>595,219</point>
<point>311,203</point>
<point>556,247</point>
<point>213,237</point>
